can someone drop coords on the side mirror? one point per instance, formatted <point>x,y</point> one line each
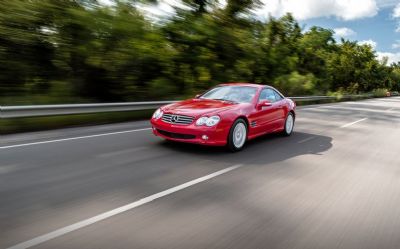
<point>197,96</point>
<point>263,103</point>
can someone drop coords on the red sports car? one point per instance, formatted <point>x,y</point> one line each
<point>228,114</point>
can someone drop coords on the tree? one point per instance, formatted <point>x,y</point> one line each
<point>54,51</point>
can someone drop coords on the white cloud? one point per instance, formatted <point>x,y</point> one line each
<point>344,32</point>
<point>306,9</point>
<point>391,57</point>
<point>386,3</point>
<point>396,15</point>
<point>396,45</point>
<point>370,42</point>
<point>396,11</point>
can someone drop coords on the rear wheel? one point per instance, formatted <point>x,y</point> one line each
<point>237,135</point>
<point>289,124</point>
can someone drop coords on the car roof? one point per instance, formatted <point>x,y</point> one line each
<point>242,84</point>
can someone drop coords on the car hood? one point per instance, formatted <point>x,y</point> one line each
<point>198,107</point>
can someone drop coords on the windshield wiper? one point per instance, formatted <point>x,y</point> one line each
<point>227,100</point>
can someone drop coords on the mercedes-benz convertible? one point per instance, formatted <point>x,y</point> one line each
<point>226,115</point>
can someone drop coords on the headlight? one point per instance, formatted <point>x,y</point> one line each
<point>201,121</point>
<point>158,114</point>
<point>211,121</point>
<point>208,121</point>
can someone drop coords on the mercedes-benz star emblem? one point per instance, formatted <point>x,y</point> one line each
<point>174,118</point>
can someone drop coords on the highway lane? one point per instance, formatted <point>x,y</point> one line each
<point>334,184</point>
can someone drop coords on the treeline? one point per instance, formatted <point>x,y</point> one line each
<point>56,51</point>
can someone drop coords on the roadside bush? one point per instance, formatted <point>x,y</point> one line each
<point>295,84</point>
<point>380,92</point>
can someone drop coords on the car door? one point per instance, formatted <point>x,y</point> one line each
<point>265,117</point>
<point>280,103</point>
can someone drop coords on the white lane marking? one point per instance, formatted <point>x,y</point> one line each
<point>352,123</point>
<point>306,139</point>
<point>103,216</point>
<point>72,138</point>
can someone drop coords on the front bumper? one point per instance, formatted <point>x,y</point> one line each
<point>213,136</point>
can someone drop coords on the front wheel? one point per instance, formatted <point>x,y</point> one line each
<point>237,135</point>
<point>289,124</point>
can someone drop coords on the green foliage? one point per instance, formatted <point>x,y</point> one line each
<point>54,51</point>
<point>295,84</point>
<point>380,92</point>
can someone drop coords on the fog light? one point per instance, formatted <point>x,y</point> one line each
<point>204,137</point>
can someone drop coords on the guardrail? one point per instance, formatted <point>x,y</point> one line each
<point>52,110</point>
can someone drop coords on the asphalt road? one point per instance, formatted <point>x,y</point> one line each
<point>335,183</point>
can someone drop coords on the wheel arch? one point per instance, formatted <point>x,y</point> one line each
<point>246,121</point>
<point>294,114</point>
<point>229,142</point>
<point>244,118</point>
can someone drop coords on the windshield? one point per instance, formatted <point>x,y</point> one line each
<point>238,94</point>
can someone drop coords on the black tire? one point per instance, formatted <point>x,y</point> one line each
<point>231,146</point>
<point>285,132</point>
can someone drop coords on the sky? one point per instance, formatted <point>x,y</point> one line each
<point>373,22</point>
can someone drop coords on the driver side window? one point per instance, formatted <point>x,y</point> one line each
<point>267,94</point>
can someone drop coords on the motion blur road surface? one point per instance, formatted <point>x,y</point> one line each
<point>335,183</point>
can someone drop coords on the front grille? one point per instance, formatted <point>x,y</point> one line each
<point>177,119</point>
<point>176,135</point>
